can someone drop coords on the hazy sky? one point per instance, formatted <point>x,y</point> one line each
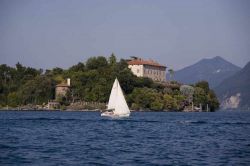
<point>177,33</point>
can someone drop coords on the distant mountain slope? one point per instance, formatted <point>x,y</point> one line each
<point>213,70</point>
<point>234,91</point>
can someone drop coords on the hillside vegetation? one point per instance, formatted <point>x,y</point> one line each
<point>92,81</point>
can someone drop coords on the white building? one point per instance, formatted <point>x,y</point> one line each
<point>148,68</point>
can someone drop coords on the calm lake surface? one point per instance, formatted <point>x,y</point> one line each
<point>145,138</point>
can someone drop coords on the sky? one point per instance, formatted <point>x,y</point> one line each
<point>177,33</point>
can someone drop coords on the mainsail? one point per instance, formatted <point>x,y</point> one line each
<point>112,97</point>
<point>117,101</point>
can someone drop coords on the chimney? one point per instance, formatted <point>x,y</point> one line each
<point>68,81</point>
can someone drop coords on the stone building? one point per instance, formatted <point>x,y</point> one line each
<point>62,89</point>
<point>148,68</point>
<point>53,105</point>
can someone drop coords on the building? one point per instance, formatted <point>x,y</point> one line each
<point>62,89</point>
<point>147,68</point>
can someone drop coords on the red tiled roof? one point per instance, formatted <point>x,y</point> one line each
<point>144,62</point>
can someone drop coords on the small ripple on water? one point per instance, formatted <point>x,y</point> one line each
<point>193,122</point>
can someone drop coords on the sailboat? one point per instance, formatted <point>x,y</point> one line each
<point>117,105</point>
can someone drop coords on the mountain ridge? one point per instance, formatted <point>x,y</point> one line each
<point>234,92</point>
<point>213,70</point>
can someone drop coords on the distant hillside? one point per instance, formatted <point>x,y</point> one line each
<point>234,91</point>
<point>213,70</point>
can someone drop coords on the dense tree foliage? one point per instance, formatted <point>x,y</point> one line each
<point>92,81</point>
<point>205,96</point>
<point>12,80</point>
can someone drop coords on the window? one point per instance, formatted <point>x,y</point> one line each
<point>138,70</point>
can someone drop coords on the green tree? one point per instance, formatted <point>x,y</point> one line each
<point>13,99</point>
<point>204,85</point>
<point>180,101</point>
<point>146,98</point>
<point>212,101</point>
<point>112,59</point>
<point>205,96</point>
<point>199,96</point>
<point>96,63</point>
<point>37,91</point>
<point>170,103</point>
<point>187,91</point>
<point>77,68</point>
<point>156,105</point>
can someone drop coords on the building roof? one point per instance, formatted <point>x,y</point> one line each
<point>140,61</point>
<point>62,85</point>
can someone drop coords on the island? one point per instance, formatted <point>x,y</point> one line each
<point>86,86</point>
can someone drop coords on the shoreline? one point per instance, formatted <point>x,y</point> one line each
<point>48,110</point>
<point>84,110</point>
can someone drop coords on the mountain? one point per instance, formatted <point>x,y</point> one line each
<point>213,70</point>
<point>234,92</point>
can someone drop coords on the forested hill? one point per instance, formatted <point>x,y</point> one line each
<point>92,81</point>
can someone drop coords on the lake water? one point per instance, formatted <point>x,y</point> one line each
<point>145,138</point>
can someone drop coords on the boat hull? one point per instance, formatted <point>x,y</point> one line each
<point>112,115</point>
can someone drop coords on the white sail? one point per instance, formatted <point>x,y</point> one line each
<point>121,107</point>
<point>117,102</point>
<point>113,94</point>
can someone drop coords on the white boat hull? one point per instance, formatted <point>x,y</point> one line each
<point>112,115</point>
